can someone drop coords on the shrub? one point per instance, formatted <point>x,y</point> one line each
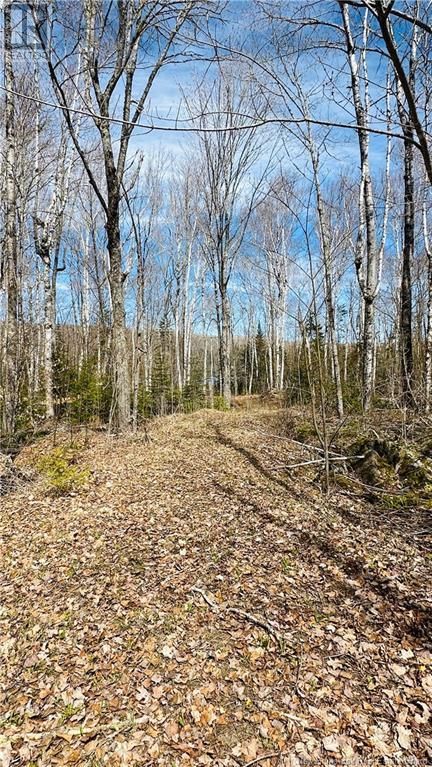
<point>61,474</point>
<point>192,397</point>
<point>90,395</point>
<point>219,402</point>
<point>146,406</point>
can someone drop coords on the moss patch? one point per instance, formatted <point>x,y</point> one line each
<point>389,465</point>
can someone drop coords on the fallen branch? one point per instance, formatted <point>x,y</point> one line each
<point>318,460</point>
<point>255,620</point>
<point>357,481</point>
<point>206,598</point>
<point>305,445</point>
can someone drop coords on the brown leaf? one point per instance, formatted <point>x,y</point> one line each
<point>403,737</point>
<point>331,743</point>
<point>5,753</point>
<point>427,684</point>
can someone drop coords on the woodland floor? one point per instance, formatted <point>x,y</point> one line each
<point>111,655</point>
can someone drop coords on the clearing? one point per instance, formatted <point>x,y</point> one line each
<point>119,641</point>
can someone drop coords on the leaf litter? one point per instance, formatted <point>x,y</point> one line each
<point>190,606</point>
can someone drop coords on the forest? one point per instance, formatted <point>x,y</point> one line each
<point>216,383</point>
<point>261,216</point>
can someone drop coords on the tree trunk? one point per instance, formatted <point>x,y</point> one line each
<point>136,368</point>
<point>368,353</point>
<point>406,342</point>
<point>178,344</point>
<point>10,236</point>
<point>368,277</point>
<point>225,350</point>
<point>406,346</point>
<point>120,415</point>
<point>85,304</point>
<point>48,336</point>
<point>428,354</point>
<point>211,383</point>
<point>325,246</point>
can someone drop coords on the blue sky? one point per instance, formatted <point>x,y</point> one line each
<point>343,154</point>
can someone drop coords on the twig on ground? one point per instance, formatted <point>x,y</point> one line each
<point>255,620</point>
<point>206,598</point>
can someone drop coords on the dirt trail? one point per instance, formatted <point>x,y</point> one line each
<point>111,654</point>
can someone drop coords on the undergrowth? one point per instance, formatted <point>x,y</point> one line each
<point>61,473</point>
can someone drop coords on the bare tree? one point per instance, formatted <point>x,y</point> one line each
<point>367,241</point>
<point>406,342</point>
<point>382,12</point>
<point>111,47</point>
<point>428,350</point>
<point>272,237</point>
<point>47,233</point>
<point>185,268</point>
<point>144,205</point>
<point>226,160</point>
<point>9,262</point>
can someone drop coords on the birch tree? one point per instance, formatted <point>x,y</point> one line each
<point>113,43</point>
<point>10,252</point>
<point>368,251</point>
<point>48,218</point>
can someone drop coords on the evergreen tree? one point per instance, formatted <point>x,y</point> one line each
<point>261,347</point>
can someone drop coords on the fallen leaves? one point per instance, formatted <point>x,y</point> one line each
<point>5,753</point>
<point>403,737</point>
<point>339,745</point>
<point>424,717</point>
<point>298,651</point>
<point>248,750</point>
<point>427,684</point>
